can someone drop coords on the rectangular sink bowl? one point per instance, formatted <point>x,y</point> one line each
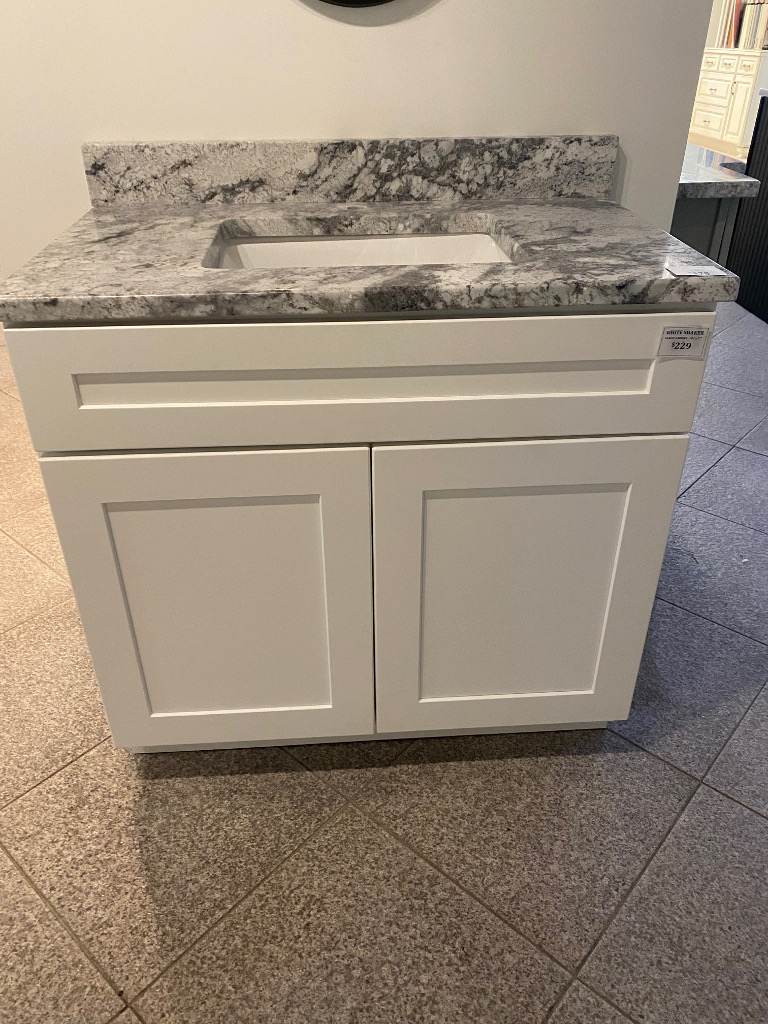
<point>260,253</point>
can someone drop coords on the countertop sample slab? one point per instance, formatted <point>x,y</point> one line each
<point>127,262</point>
<point>710,175</point>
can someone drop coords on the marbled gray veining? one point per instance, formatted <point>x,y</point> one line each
<point>352,170</point>
<point>146,262</point>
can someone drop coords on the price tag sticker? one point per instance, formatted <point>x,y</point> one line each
<point>684,342</point>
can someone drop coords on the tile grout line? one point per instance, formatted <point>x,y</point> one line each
<point>18,515</point>
<point>38,614</point>
<point>701,475</point>
<point>727,387</point>
<point>30,552</point>
<point>733,800</point>
<point>608,1000</point>
<point>64,924</point>
<point>559,1001</point>
<point>701,615</point>
<point>649,860</point>
<point>657,757</point>
<point>725,519</point>
<point>372,817</point>
<point>570,982</point>
<point>700,778</point>
<point>326,822</point>
<point>33,787</point>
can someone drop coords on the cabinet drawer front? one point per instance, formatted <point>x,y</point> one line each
<point>327,383</point>
<point>728,62</point>
<point>710,62</point>
<point>708,120</point>
<point>748,65</point>
<point>225,596</point>
<point>715,90</point>
<point>514,582</point>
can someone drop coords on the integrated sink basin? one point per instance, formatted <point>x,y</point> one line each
<point>282,241</point>
<point>362,251</point>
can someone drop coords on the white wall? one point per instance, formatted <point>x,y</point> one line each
<point>115,70</point>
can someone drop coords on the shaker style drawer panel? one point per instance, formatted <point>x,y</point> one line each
<point>748,65</point>
<point>255,385</point>
<point>714,90</point>
<point>710,62</point>
<point>225,596</point>
<point>728,62</point>
<point>514,582</point>
<point>710,121</point>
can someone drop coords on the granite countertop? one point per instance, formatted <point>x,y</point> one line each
<point>147,251</point>
<point>710,175</point>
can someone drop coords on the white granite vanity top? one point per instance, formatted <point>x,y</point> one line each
<point>145,252</point>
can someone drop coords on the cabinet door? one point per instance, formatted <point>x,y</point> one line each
<point>225,596</point>
<point>514,581</point>
<point>735,120</point>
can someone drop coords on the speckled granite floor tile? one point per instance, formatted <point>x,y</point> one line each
<point>355,929</point>
<point>736,489</point>
<point>7,379</point>
<point>21,486</point>
<point>702,454</point>
<point>45,978</point>
<point>717,569</point>
<point>13,426</point>
<point>141,853</point>
<point>726,415</point>
<point>738,357</point>
<point>696,680</point>
<point>36,532</point>
<point>339,762</point>
<point>27,587</point>
<point>51,709</point>
<point>741,771</point>
<point>548,829</point>
<point>689,945</point>
<point>727,315</point>
<point>757,439</point>
<point>581,1006</point>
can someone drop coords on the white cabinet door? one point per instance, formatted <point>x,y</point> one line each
<point>226,596</point>
<point>514,581</point>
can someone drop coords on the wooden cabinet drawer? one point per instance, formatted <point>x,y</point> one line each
<point>748,65</point>
<point>714,89</point>
<point>728,62</point>
<point>710,62</point>
<point>203,386</point>
<point>708,121</point>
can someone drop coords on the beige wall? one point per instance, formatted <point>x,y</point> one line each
<point>115,70</point>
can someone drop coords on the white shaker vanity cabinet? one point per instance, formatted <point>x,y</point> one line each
<point>290,532</point>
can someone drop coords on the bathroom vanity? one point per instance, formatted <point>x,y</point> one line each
<point>416,482</point>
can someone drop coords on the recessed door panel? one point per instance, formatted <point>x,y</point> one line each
<point>225,596</point>
<point>514,581</point>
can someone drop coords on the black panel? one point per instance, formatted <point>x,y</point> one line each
<point>748,255</point>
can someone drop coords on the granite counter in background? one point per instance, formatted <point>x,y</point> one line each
<point>708,198</point>
<point>710,175</point>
